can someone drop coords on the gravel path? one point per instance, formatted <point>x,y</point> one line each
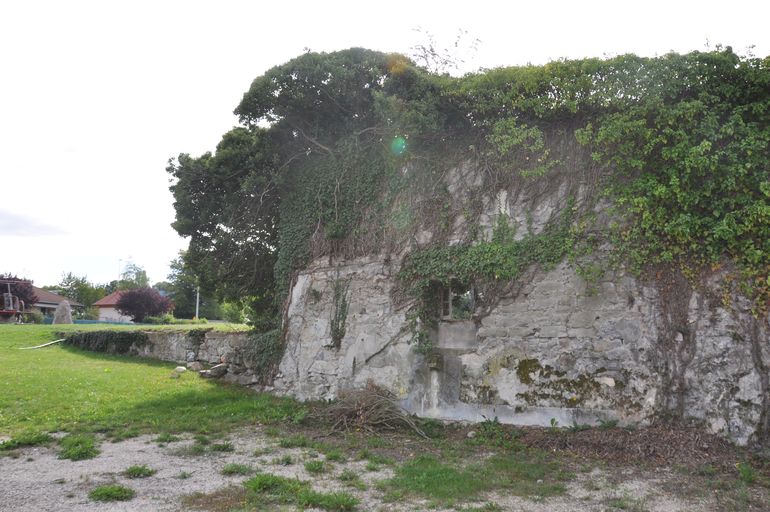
<point>36,480</point>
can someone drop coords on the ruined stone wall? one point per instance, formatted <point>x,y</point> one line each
<point>205,346</point>
<point>552,349</point>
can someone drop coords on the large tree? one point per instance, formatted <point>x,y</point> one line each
<point>133,277</point>
<point>305,125</point>
<point>226,204</point>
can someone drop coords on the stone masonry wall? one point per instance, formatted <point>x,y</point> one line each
<point>206,346</point>
<point>554,349</point>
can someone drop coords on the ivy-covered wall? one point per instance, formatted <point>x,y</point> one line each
<point>361,189</point>
<point>551,340</point>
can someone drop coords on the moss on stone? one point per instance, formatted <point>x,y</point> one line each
<point>526,368</point>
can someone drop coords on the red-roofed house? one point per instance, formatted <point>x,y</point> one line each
<point>48,301</point>
<point>107,311</point>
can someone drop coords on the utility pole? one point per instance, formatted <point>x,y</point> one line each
<point>197,300</point>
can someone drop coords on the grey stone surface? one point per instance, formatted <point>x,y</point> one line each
<point>63,313</point>
<point>530,360</point>
<point>554,348</point>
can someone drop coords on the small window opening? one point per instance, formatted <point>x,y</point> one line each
<point>457,301</point>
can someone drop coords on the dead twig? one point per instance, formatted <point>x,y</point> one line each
<point>372,408</point>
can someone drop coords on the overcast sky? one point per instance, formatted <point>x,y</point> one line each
<point>95,97</point>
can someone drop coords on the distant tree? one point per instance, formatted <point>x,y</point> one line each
<point>133,277</point>
<point>182,287</point>
<point>22,288</point>
<point>143,302</point>
<point>78,289</point>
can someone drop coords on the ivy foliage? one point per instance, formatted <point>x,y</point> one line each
<point>692,160</point>
<point>502,259</point>
<point>683,140</point>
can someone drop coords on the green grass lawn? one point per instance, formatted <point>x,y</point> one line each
<point>60,388</point>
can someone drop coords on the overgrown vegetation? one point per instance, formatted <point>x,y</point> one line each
<point>266,489</point>
<point>108,341</point>
<point>484,265</point>
<point>263,354</point>
<point>346,154</point>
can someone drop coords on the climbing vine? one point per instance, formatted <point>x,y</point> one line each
<point>339,313</point>
<point>482,265</point>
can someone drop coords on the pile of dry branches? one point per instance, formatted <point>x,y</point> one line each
<point>372,408</point>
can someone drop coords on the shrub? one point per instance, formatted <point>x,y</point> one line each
<point>159,320</point>
<point>169,319</point>
<point>112,493</point>
<point>233,312</point>
<point>139,472</point>
<point>35,317</point>
<point>143,302</point>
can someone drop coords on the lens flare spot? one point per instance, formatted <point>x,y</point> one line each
<point>398,146</point>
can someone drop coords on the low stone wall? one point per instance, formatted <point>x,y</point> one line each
<point>205,346</point>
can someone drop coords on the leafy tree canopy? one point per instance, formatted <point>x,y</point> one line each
<point>133,277</point>
<point>79,289</point>
<point>318,165</point>
<point>182,288</point>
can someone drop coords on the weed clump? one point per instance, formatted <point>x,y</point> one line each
<point>222,447</point>
<point>268,489</point>
<point>139,472</point>
<point>78,447</point>
<point>25,439</point>
<point>315,467</point>
<point>112,493</point>
<point>237,469</point>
